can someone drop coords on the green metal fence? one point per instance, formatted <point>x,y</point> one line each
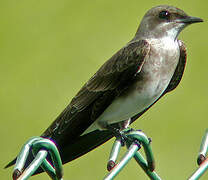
<point>134,141</point>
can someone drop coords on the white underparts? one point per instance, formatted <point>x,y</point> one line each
<point>158,70</point>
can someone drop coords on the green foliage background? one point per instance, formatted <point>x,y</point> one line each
<point>50,48</point>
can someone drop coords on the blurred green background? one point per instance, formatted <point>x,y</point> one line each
<point>49,49</point>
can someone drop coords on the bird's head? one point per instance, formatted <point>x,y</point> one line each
<point>163,21</point>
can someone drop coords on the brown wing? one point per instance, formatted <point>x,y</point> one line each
<point>86,143</point>
<point>110,80</point>
<point>179,69</point>
<point>116,71</point>
<point>177,76</point>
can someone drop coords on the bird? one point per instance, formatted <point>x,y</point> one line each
<point>125,86</point>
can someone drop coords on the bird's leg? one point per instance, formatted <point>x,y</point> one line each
<point>125,124</point>
<point>118,132</point>
<point>122,138</point>
<point>105,126</point>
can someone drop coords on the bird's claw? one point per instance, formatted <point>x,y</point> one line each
<point>121,134</point>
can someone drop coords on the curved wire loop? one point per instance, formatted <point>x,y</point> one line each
<point>134,140</point>
<point>40,148</point>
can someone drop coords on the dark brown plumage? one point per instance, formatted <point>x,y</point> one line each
<point>71,145</point>
<point>133,68</point>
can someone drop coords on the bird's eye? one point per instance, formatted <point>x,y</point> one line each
<point>164,15</point>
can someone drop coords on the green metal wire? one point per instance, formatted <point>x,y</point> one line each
<point>33,166</point>
<point>203,148</point>
<point>201,160</point>
<point>40,148</point>
<point>56,159</point>
<point>21,158</point>
<point>135,140</point>
<point>127,157</point>
<point>145,142</point>
<point>200,171</point>
<point>143,164</point>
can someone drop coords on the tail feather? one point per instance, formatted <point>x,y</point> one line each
<point>11,163</point>
<point>68,153</point>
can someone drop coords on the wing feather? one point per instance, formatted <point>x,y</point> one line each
<point>98,93</point>
<point>112,74</point>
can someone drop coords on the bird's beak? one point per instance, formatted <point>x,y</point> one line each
<point>190,20</point>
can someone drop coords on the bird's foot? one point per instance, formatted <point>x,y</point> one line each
<point>120,134</point>
<point>134,140</point>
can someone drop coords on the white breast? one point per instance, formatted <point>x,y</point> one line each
<point>146,91</point>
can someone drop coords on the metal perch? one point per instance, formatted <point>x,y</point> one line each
<point>134,141</point>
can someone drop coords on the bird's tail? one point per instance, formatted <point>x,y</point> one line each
<point>11,163</point>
